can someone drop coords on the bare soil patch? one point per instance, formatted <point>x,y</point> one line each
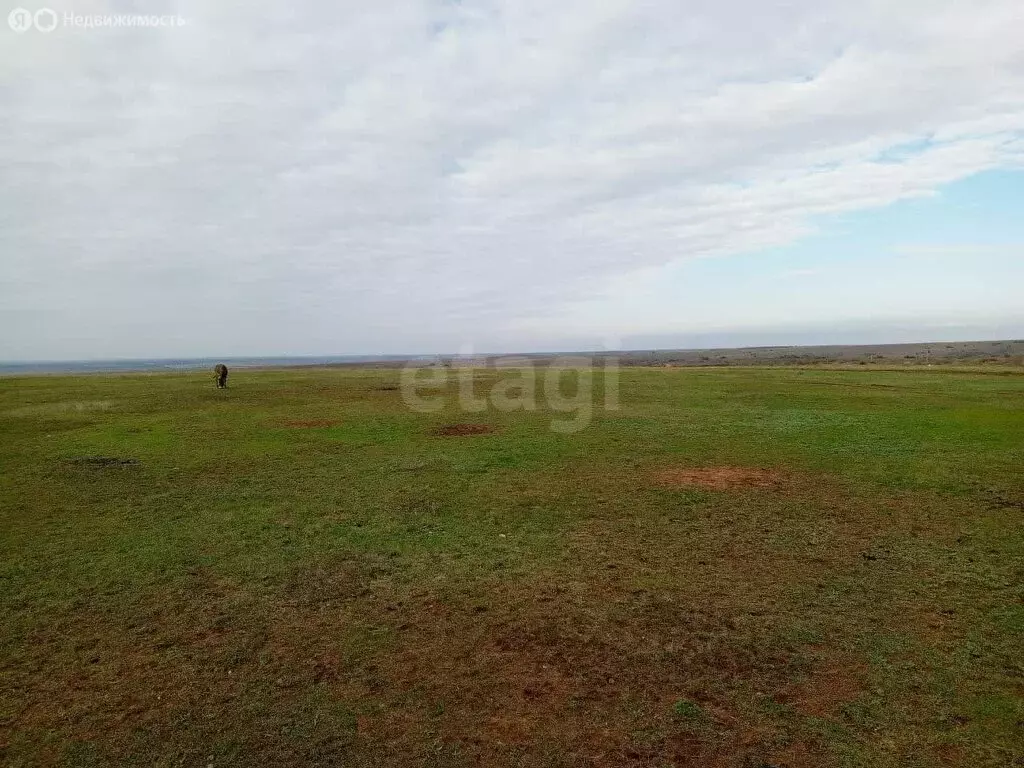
<point>529,674</point>
<point>721,478</point>
<point>515,675</point>
<point>832,683</point>
<point>463,430</point>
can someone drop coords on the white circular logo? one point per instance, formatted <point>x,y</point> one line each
<point>46,20</point>
<point>20,20</point>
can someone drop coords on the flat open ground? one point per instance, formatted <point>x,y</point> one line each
<point>739,567</point>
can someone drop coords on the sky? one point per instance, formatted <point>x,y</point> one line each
<point>340,177</point>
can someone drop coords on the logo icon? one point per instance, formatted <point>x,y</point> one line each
<point>20,20</point>
<point>46,20</point>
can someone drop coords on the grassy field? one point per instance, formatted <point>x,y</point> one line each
<point>741,567</point>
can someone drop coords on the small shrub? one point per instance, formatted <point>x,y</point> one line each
<point>687,709</point>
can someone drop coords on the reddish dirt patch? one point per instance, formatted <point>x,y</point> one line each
<point>721,478</point>
<point>798,755</point>
<point>463,430</point>
<point>310,423</point>
<point>528,674</point>
<point>537,673</point>
<point>951,754</point>
<point>832,683</point>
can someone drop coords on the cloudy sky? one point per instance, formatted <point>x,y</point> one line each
<point>435,175</point>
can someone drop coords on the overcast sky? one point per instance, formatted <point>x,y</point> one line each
<point>358,177</point>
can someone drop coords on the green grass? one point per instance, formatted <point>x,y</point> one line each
<point>297,571</point>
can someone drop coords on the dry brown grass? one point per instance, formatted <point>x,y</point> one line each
<point>721,478</point>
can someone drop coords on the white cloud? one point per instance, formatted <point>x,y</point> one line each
<point>962,250</point>
<point>320,177</point>
<point>802,273</point>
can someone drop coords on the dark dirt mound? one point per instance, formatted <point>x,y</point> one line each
<point>720,478</point>
<point>103,461</point>
<point>310,423</point>
<point>461,430</point>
